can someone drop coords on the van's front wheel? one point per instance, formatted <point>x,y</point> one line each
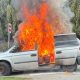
<point>69,68</point>
<point>5,69</point>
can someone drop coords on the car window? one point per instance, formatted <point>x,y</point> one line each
<point>15,49</point>
<point>65,37</point>
<point>66,41</point>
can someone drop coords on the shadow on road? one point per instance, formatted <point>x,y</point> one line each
<point>35,71</point>
<point>39,71</point>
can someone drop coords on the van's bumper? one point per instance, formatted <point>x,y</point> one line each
<point>66,61</point>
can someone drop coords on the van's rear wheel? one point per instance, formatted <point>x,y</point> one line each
<point>69,68</point>
<point>5,69</point>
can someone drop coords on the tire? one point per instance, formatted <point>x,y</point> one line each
<point>69,68</point>
<point>5,69</point>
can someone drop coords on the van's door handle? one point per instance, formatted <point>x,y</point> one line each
<point>58,52</point>
<point>33,55</point>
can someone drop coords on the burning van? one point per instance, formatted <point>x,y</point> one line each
<point>41,40</point>
<point>67,53</point>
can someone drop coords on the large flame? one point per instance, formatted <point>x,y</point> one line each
<point>39,28</point>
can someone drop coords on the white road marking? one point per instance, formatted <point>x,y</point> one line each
<point>48,73</point>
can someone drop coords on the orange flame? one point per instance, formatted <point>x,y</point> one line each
<point>37,29</point>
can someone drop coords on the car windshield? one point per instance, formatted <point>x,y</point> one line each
<point>66,40</point>
<point>15,49</point>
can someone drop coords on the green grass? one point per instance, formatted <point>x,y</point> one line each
<point>13,78</point>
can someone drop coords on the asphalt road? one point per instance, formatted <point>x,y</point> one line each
<point>50,75</point>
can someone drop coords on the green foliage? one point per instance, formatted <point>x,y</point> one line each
<point>11,17</point>
<point>7,15</point>
<point>13,78</point>
<point>75,7</point>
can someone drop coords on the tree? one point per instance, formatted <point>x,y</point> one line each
<point>3,21</point>
<point>7,15</point>
<point>75,7</point>
<point>11,16</point>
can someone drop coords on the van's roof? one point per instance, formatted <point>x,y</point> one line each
<point>65,34</point>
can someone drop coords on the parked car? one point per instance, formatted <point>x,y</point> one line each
<point>67,51</point>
